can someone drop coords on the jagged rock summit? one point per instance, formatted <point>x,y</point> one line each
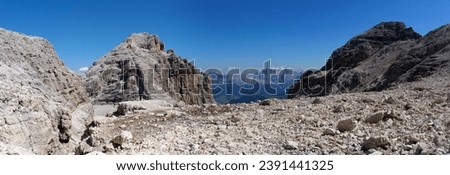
<point>384,56</point>
<point>44,108</point>
<point>140,69</point>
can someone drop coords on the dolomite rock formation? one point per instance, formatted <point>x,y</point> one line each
<point>44,108</point>
<point>382,57</point>
<point>140,69</point>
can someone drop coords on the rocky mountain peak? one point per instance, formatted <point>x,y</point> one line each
<point>364,45</point>
<point>387,54</point>
<point>144,41</point>
<point>140,69</point>
<point>388,32</point>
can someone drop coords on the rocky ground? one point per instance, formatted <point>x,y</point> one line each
<point>412,118</point>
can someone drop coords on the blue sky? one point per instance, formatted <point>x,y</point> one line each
<point>223,33</point>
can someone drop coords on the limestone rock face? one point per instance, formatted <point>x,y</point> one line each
<point>140,69</point>
<point>386,55</point>
<point>43,106</point>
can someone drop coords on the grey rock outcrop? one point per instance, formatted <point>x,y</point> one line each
<point>382,57</point>
<point>140,69</point>
<point>44,108</point>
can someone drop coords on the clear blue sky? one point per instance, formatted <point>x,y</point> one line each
<point>222,33</point>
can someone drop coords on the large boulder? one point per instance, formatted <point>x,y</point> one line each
<point>387,54</point>
<point>43,106</point>
<point>140,69</point>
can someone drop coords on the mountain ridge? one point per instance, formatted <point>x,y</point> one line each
<point>385,55</point>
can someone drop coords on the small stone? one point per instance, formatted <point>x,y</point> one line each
<point>389,122</point>
<point>438,141</point>
<point>291,145</point>
<point>235,119</point>
<point>408,106</point>
<point>419,88</point>
<point>160,115</point>
<point>108,148</point>
<point>122,126</point>
<point>208,141</point>
<point>408,147</point>
<point>375,118</point>
<point>368,101</point>
<point>346,125</point>
<point>360,133</point>
<point>390,100</point>
<point>370,151</point>
<point>265,103</point>
<point>317,101</point>
<point>124,136</point>
<point>329,131</point>
<point>448,98</point>
<point>392,115</point>
<point>422,148</point>
<point>338,109</point>
<point>439,101</point>
<point>94,140</point>
<point>194,147</point>
<point>411,140</point>
<point>377,153</point>
<point>373,143</point>
<point>180,104</point>
<point>121,110</point>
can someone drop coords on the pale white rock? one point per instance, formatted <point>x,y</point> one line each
<point>291,145</point>
<point>377,153</point>
<point>44,107</point>
<point>124,137</point>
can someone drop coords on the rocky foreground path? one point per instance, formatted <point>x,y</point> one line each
<point>411,118</point>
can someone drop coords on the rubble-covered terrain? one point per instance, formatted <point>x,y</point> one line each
<point>412,118</point>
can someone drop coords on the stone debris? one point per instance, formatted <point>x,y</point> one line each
<point>346,125</point>
<point>317,101</point>
<point>180,104</point>
<point>338,109</point>
<point>375,118</point>
<point>390,100</point>
<point>125,136</point>
<point>373,143</point>
<point>265,102</point>
<point>290,145</point>
<point>448,98</point>
<point>329,131</point>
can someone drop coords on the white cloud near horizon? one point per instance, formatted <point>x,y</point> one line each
<point>83,69</point>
